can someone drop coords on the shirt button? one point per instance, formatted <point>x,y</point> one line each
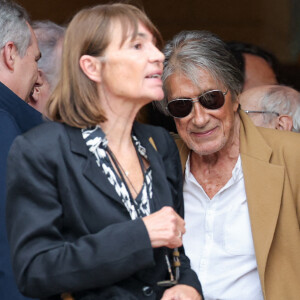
<point>203,262</point>
<point>147,291</point>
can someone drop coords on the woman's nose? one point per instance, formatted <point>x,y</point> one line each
<point>156,55</point>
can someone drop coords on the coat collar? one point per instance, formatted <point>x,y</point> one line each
<point>98,179</point>
<point>89,169</point>
<point>264,184</point>
<point>24,115</point>
<point>161,192</point>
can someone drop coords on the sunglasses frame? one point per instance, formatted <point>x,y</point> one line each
<point>176,265</point>
<point>196,99</point>
<point>261,112</point>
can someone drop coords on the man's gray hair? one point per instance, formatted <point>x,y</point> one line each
<point>50,37</point>
<point>13,26</point>
<point>190,51</point>
<point>283,100</point>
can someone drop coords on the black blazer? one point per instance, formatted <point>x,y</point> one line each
<point>68,229</point>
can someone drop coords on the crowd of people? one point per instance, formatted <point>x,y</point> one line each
<point>97,202</point>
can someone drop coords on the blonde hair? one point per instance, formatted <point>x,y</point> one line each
<point>75,100</point>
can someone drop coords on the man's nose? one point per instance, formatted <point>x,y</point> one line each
<point>39,80</point>
<point>200,115</point>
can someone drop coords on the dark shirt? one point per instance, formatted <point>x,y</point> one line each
<point>16,117</point>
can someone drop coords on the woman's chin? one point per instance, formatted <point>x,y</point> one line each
<point>158,96</point>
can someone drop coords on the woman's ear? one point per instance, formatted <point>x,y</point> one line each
<point>91,67</point>
<point>284,122</point>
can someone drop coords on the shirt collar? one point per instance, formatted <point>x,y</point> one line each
<point>237,172</point>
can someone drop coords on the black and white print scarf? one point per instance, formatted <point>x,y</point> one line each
<point>97,143</point>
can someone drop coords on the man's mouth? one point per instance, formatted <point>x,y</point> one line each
<point>154,76</point>
<point>30,98</point>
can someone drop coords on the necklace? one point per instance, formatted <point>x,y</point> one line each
<point>122,171</point>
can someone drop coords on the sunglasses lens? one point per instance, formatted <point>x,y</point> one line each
<point>180,108</point>
<point>212,100</point>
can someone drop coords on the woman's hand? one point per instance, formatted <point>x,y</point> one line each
<point>165,228</point>
<point>181,292</point>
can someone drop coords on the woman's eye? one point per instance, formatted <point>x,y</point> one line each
<point>137,46</point>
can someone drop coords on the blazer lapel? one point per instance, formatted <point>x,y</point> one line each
<point>184,151</point>
<point>264,185</point>
<point>90,169</point>
<point>159,182</point>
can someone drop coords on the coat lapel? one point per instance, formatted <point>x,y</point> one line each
<point>93,173</point>
<point>159,177</point>
<point>90,169</point>
<point>264,186</point>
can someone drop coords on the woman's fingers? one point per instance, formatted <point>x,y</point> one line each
<point>165,228</point>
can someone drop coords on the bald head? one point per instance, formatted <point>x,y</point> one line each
<point>257,72</point>
<point>273,106</point>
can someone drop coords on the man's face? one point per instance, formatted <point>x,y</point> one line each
<point>257,72</point>
<point>250,100</point>
<point>41,95</point>
<point>26,70</point>
<point>204,131</point>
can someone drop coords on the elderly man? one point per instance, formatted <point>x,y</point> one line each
<point>273,106</point>
<point>50,39</point>
<point>241,186</point>
<point>18,76</point>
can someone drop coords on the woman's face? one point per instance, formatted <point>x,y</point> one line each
<point>132,71</point>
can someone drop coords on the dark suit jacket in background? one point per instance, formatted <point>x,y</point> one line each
<point>69,230</point>
<point>16,117</point>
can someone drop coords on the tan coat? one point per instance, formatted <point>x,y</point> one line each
<point>271,167</point>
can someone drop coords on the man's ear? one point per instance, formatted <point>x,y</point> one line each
<point>10,53</point>
<point>91,67</point>
<point>284,122</point>
<point>236,104</point>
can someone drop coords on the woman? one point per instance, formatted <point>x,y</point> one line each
<point>94,199</point>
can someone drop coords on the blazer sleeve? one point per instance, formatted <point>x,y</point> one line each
<point>44,262</point>
<point>8,131</point>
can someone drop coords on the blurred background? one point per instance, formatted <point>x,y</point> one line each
<point>273,25</point>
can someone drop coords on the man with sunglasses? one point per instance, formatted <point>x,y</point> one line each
<point>241,186</point>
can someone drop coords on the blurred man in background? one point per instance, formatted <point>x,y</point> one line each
<point>258,66</point>
<point>50,40</point>
<point>273,106</point>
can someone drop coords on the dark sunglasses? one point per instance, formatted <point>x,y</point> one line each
<point>182,107</point>
<point>176,264</point>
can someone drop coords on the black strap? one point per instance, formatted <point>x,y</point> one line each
<point>117,164</point>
